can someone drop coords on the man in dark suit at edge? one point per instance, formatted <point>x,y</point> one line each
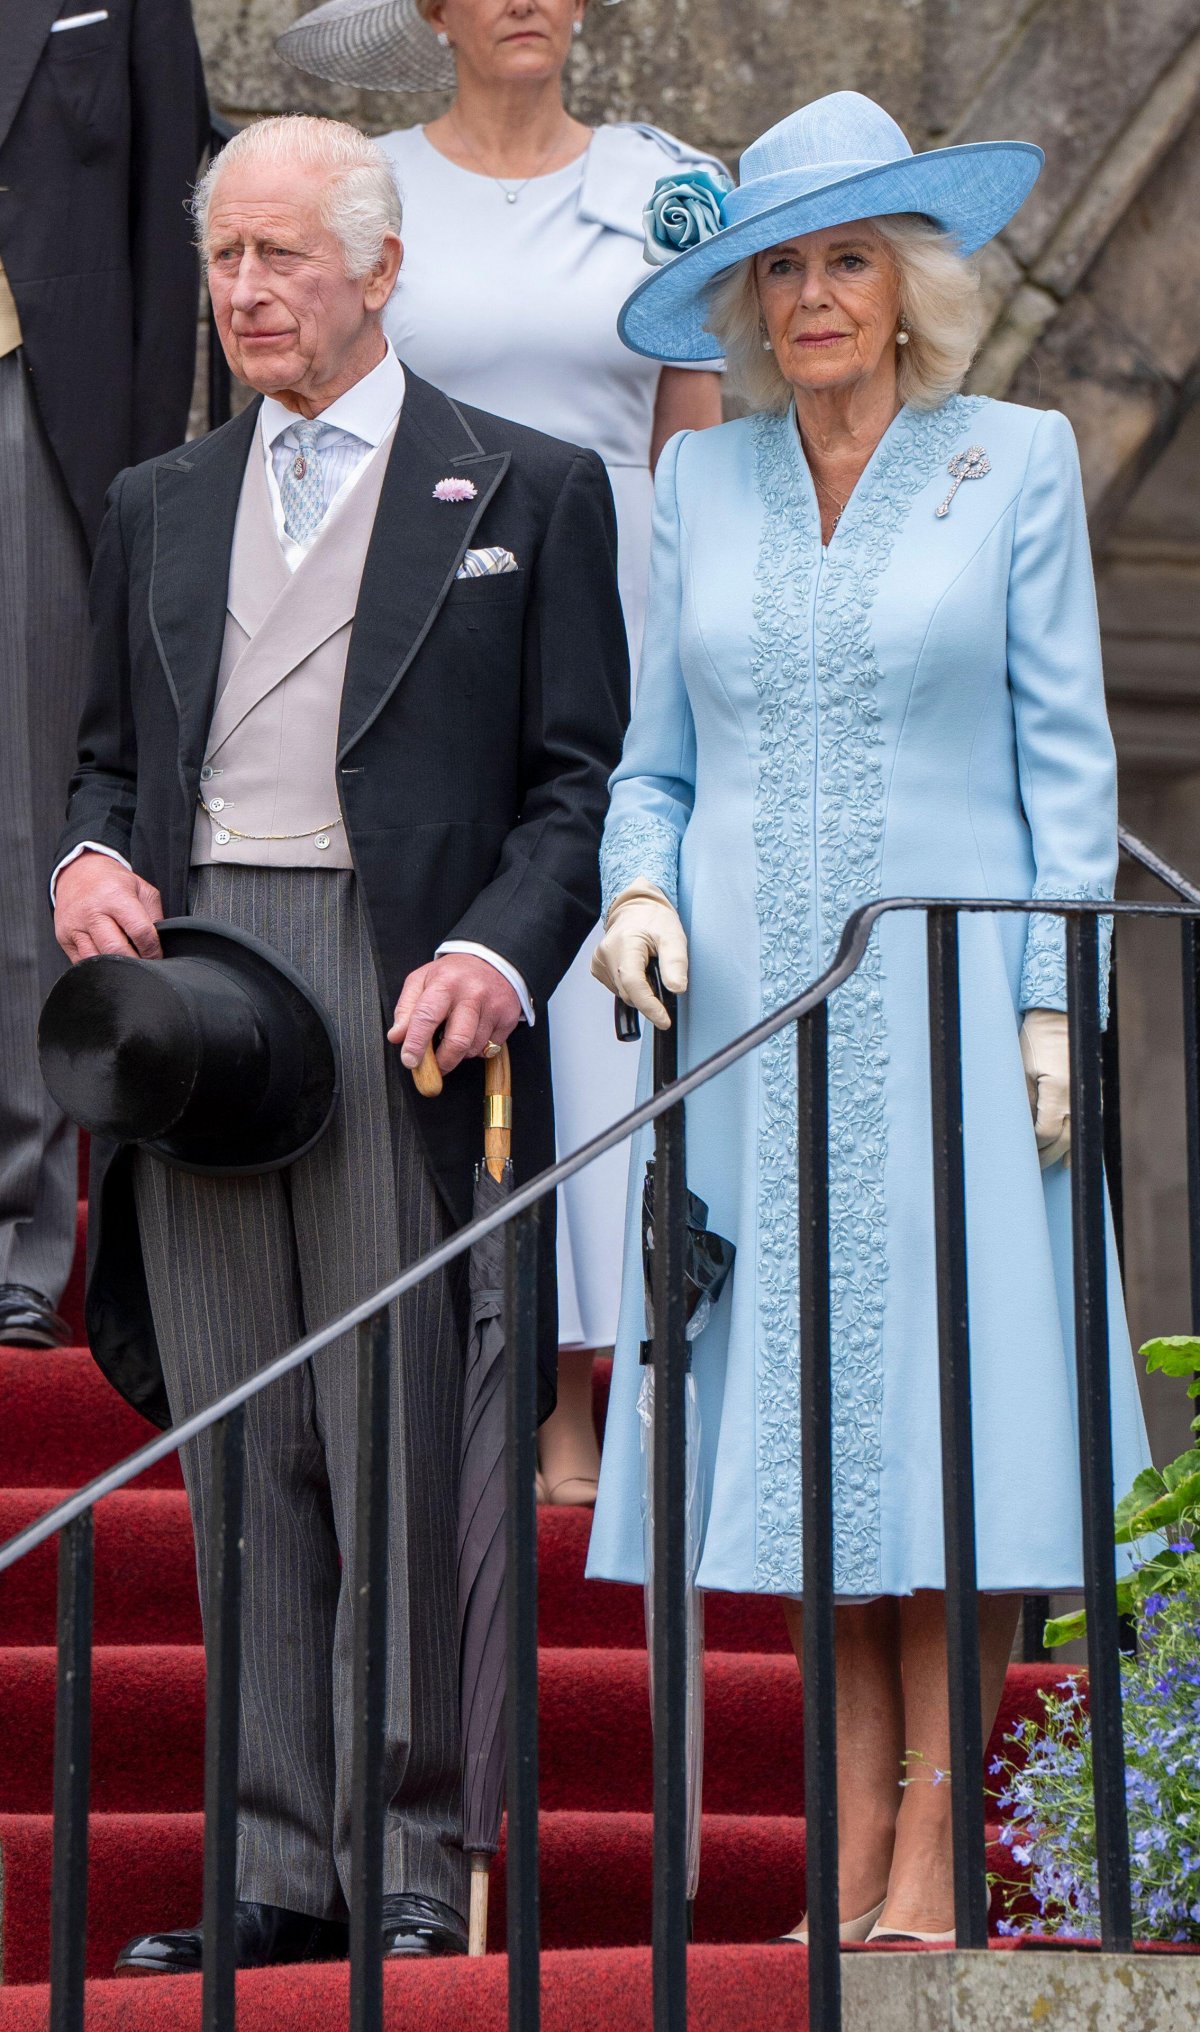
<point>359,682</point>
<point>103,122</point>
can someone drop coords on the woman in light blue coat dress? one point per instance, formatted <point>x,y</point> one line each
<point>871,668</point>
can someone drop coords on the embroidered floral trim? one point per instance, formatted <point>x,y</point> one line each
<point>643,846</point>
<point>1044,969</point>
<point>819,819</point>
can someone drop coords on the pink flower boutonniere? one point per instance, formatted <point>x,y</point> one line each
<point>455,490</point>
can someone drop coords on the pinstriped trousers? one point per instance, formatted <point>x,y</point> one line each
<point>238,1268</point>
<point>43,669</point>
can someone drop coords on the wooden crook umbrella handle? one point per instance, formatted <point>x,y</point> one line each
<point>497,1112</point>
<point>427,1077</point>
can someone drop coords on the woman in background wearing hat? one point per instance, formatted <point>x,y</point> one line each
<point>522,238</point>
<point>871,668</point>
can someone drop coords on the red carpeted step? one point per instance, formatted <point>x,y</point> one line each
<point>146,1582</point>
<point>148,1700</point>
<point>730,1989</point>
<point>573,1610</point>
<point>145,1590</point>
<point>61,1423</point>
<point>145,1872</point>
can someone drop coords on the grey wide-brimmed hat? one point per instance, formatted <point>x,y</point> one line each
<point>379,45</point>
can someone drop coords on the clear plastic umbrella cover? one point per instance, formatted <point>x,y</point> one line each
<point>695,1600</point>
<point>708,1262</point>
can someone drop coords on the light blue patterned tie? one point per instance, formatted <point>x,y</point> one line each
<point>300,490</point>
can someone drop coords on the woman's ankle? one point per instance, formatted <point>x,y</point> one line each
<point>568,1449</point>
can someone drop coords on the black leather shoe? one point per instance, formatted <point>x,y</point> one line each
<point>263,1935</point>
<point>415,1926</point>
<point>28,1320</point>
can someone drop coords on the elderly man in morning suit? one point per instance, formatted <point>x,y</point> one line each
<point>360,679</point>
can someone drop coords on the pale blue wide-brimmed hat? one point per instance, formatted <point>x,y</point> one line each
<point>841,158</point>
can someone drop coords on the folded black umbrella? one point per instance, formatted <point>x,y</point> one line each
<point>483,1500</point>
<point>708,1260</point>
<point>482,1504</point>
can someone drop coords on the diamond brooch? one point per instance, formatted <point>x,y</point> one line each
<point>969,465</point>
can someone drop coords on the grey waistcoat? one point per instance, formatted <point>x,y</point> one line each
<point>272,742</point>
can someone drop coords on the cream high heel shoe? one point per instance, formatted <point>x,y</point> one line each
<point>896,1934</point>
<point>852,1931</point>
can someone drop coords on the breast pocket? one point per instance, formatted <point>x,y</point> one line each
<point>83,66</point>
<point>484,602</point>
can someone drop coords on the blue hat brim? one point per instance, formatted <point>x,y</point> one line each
<point>970,191</point>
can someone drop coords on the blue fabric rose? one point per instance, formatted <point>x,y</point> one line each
<point>683,210</point>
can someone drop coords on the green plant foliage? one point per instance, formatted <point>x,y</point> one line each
<point>1046,1796</point>
<point>1162,1502</point>
<point>1174,1355</point>
<point>1046,1778</point>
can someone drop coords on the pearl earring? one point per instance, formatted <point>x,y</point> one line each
<point>764,335</point>
<point>443,39</point>
<point>577,28</point>
<point>902,336</point>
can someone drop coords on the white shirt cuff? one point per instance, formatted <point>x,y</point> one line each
<point>515,980</point>
<point>87,847</point>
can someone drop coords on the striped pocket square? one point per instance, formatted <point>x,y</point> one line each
<point>486,564</point>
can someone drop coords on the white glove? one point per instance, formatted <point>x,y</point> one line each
<point>1046,1057</point>
<point>640,926</point>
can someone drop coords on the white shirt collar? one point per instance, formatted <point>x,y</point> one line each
<point>366,411</point>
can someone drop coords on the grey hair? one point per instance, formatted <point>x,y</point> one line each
<point>360,203</point>
<point>939,308</point>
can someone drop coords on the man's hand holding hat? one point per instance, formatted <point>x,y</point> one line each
<point>102,907</point>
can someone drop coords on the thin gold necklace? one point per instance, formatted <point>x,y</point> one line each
<point>829,496</point>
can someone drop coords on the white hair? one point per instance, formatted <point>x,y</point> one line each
<point>360,203</point>
<point>939,308</point>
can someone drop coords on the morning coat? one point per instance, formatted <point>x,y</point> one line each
<point>480,720</point>
<point>102,126</point>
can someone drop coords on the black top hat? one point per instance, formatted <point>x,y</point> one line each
<point>218,1057</point>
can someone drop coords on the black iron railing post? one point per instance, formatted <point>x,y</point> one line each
<point>958,1467</point>
<point>1191,1093</point>
<point>1110,1091</point>
<point>72,1777</point>
<point>522,1866</point>
<point>367,1803</point>
<point>1095,1432</point>
<point>816,1470</point>
<point>223,1643</point>
<point>670,1355</point>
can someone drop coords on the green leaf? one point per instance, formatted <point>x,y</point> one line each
<point>1168,1510</point>
<point>1178,1471</point>
<point>1173,1354</point>
<point>1167,1574</point>
<point>1065,1629</point>
<point>1147,1489</point>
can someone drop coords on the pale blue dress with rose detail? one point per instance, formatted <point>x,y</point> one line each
<point>917,709</point>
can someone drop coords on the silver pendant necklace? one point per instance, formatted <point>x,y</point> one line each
<point>511,191</point>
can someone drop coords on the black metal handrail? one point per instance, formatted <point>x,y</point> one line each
<point>519,1214</point>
